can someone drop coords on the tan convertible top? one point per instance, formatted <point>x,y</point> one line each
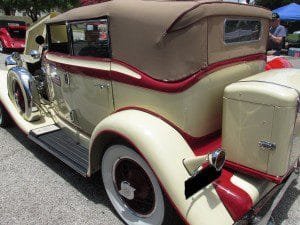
<point>165,39</point>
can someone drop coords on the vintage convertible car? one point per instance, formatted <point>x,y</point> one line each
<point>12,32</point>
<point>153,94</point>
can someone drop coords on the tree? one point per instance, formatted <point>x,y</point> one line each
<point>34,8</point>
<point>7,6</point>
<point>271,4</point>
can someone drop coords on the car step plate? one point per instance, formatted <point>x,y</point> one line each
<point>45,130</point>
<point>57,142</point>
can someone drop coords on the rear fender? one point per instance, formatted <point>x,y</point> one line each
<point>164,150</point>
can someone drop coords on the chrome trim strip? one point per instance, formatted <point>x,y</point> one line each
<point>279,196</point>
<point>251,216</point>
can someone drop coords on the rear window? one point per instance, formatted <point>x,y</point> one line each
<point>58,38</point>
<point>242,30</point>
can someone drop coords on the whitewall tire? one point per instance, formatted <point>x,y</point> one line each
<point>5,120</point>
<point>132,187</point>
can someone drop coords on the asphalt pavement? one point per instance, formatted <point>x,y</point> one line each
<point>37,189</point>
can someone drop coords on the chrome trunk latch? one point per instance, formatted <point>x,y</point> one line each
<point>266,145</point>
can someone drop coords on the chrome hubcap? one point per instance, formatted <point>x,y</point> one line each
<point>126,190</point>
<point>134,187</point>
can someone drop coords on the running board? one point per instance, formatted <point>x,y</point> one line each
<point>61,145</point>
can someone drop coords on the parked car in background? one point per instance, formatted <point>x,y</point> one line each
<point>170,102</point>
<point>13,32</point>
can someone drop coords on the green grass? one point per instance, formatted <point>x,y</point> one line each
<point>293,38</point>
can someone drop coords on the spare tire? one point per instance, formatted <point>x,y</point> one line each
<point>23,94</point>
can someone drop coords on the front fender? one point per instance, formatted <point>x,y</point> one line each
<point>164,149</point>
<point>20,76</point>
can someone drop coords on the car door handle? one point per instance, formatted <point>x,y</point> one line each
<point>67,78</point>
<point>101,86</point>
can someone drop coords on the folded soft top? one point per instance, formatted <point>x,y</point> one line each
<point>165,39</point>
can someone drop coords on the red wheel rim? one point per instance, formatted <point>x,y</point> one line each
<point>19,98</point>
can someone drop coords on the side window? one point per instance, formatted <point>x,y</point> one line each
<point>58,38</point>
<point>91,38</point>
<point>241,30</point>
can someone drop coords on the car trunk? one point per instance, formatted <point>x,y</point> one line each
<point>261,123</point>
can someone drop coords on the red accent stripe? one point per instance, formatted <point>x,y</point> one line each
<point>185,135</point>
<point>206,144</point>
<point>147,81</point>
<point>236,200</point>
<point>256,173</point>
<point>199,145</point>
<point>141,154</point>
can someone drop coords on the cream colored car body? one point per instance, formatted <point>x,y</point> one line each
<point>159,143</point>
<point>263,107</point>
<point>179,108</point>
<point>97,112</point>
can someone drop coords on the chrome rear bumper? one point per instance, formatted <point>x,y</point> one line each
<point>268,203</point>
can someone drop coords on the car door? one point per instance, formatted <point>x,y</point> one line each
<point>89,73</point>
<point>57,61</point>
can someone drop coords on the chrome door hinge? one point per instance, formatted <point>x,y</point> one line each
<point>67,78</point>
<point>73,116</point>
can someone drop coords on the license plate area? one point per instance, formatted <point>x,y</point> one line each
<point>200,180</point>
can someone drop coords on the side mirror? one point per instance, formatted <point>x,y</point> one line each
<point>35,54</point>
<point>40,40</point>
